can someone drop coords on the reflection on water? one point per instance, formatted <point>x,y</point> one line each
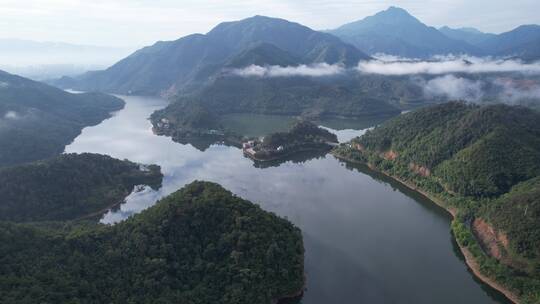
<point>367,239</point>
<point>296,158</point>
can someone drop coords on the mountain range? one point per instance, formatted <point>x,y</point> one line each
<point>396,32</point>
<point>169,67</point>
<point>190,63</point>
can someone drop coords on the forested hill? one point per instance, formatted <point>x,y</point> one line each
<point>69,187</point>
<point>482,162</point>
<point>199,245</point>
<point>37,121</point>
<point>303,96</point>
<point>473,150</point>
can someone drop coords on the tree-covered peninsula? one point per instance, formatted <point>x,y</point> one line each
<point>201,244</point>
<point>70,186</point>
<point>483,164</point>
<point>303,136</point>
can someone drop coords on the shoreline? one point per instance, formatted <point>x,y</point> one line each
<point>470,261</point>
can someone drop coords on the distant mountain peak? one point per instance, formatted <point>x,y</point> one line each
<point>397,10</point>
<point>396,14</point>
<point>394,31</point>
<point>471,30</point>
<point>527,27</point>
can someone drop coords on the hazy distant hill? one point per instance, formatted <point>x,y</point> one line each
<point>47,60</point>
<point>173,66</point>
<point>394,31</point>
<point>37,120</point>
<point>467,34</point>
<point>523,42</point>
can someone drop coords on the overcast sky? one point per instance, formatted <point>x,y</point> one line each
<point>142,22</point>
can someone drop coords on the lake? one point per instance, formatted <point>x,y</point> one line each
<point>367,238</point>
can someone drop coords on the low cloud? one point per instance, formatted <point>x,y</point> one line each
<point>501,89</point>
<point>11,115</point>
<point>515,90</point>
<point>392,58</point>
<point>315,70</point>
<point>388,65</point>
<point>453,87</point>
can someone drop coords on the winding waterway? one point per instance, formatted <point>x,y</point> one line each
<point>367,239</point>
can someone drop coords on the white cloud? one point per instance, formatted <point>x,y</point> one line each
<point>446,65</point>
<point>502,89</point>
<point>392,58</point>
<point>513,90</point>
<point>315,70</point>
<point>11,115</point>
<point>454,88</point>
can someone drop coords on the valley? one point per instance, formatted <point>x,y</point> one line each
<point>242,158</point>
<point>360,229</point>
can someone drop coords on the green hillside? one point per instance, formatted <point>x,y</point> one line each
<point>69,186</point>
<point>484,163</point>
<point>202,113</point>
<point>37,121</point>
<point>474,151</point>
<point>199,245</point>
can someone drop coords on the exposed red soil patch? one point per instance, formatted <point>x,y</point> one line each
<point>493,242</point>
<point>420,170</point>
<point>390,155</point>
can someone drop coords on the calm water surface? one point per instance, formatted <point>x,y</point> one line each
<point>367,239</point>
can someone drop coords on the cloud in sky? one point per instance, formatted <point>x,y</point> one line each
<point>142,22</point>
<point>315,70</point>
<point>11,115</point>
<point>446,65</point>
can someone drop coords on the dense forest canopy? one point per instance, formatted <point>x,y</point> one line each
<point>302,132</point>
<point>474,150</point>
<point>69,187</point>
<point>199,245</point>
<point>518,213</point>
<point>37,121</point>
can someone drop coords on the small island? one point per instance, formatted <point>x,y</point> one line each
<point>303,136</point>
